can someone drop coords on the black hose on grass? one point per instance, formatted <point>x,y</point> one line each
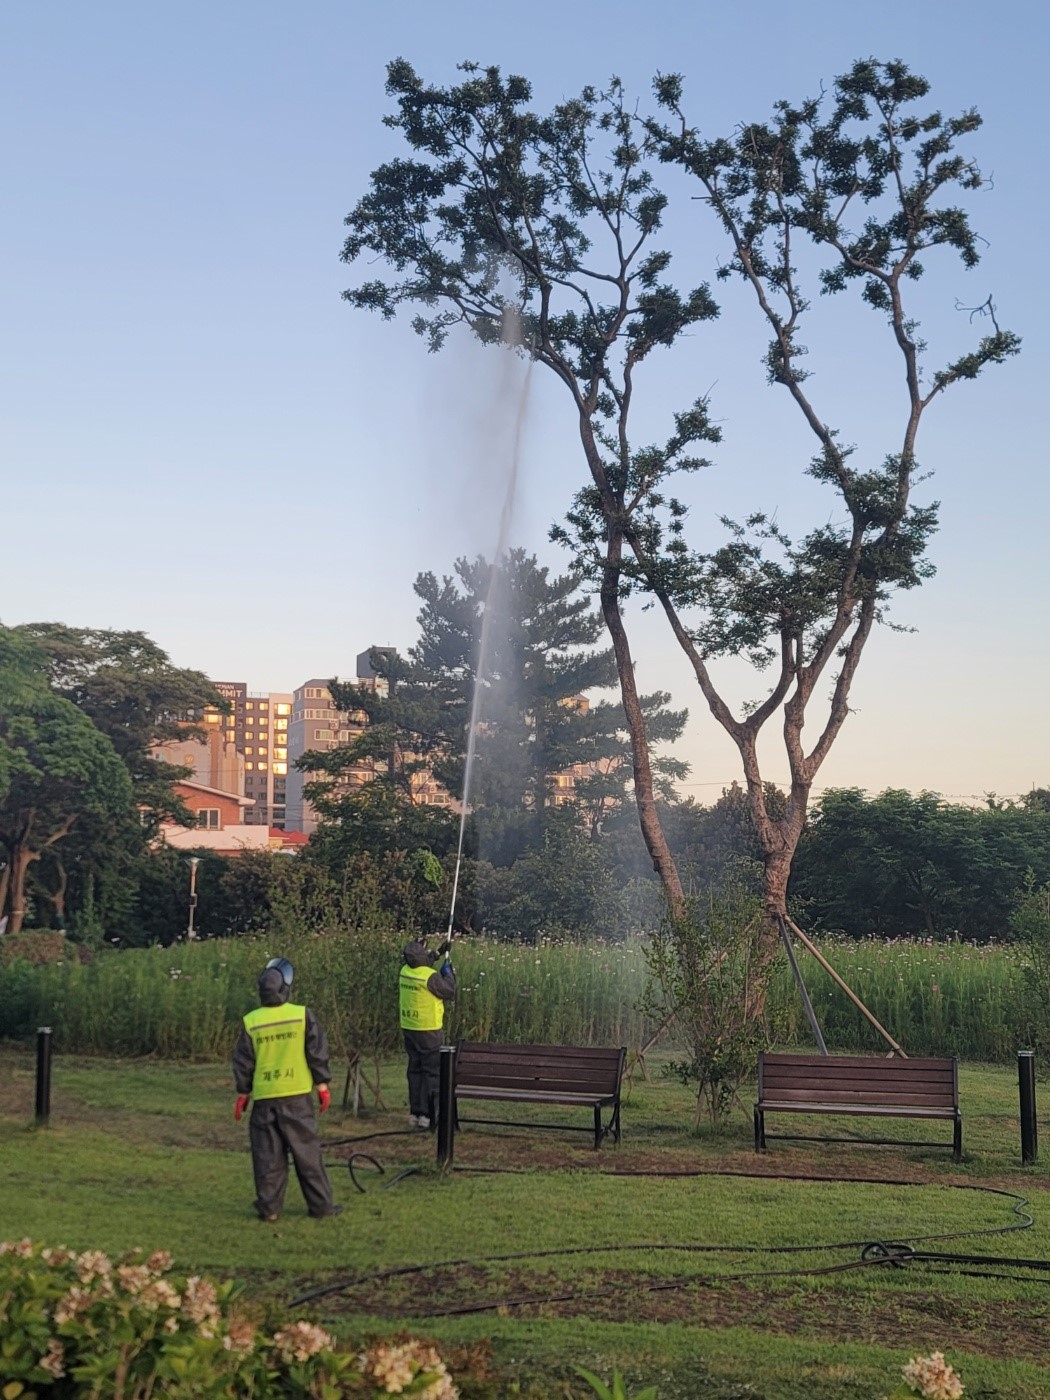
<point>874,1253</point>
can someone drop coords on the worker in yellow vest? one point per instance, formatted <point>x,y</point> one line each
<point>423,990</point>
<point>280,1054</point>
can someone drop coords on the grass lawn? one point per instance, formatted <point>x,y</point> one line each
<point>146,1153</point>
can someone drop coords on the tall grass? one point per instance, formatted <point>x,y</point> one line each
<point>935,998</point>
<point>187,1001</point>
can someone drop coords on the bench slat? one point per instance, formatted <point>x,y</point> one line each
<point>829,1093</point>
<point>525,1096</point>
<point>862,1061</point>
<point>862,1110</point>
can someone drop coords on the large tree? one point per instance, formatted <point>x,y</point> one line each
<point>56,769</point>
<point>865,180</point>
<point>128,687</point>
<point>533,724</point>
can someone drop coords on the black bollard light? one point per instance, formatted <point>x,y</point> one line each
<point>1029,1123</point>
<point>446,1114</point>
<point>43,1075</point>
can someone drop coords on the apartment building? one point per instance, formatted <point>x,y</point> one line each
<point>317,725</point>
<point>257,726</point>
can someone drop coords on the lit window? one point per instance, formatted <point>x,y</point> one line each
<point>212,718</point>
<point>230,736</point>
<point>249,704</point>
<point>283,709</point>
<point>280,768</point>
<point>280,753</point>
<point>249,734</point>
<point>262,750</point>
<point>261,767</point>
<point>249,766</point>
<point>280,724</point>
<point>249,749</point>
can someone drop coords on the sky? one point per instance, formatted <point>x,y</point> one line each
<point>200,440</point>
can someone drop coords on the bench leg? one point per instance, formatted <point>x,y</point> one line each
<point>760,1130</point>
<point>614,1126</point>
<point>597,1127</point>
<point>957,1140</point>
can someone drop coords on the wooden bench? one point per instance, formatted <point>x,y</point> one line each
<point>554,1074</point>
<point>858,1084</point>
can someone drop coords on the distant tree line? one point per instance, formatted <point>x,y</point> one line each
<point>81,799</point>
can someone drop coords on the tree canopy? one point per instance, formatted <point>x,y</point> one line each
<point>869,182</point>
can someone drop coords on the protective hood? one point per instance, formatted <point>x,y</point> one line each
<point>273,990</point>
<point>415,954</point>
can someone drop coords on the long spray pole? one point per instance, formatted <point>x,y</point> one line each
<point>480,681</point>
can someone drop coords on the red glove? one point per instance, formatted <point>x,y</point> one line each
<point>238,1108</point>
<point>325,1097</point>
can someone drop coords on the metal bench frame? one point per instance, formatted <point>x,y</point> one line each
<point>565,1075</point>
<point>858,1084</point>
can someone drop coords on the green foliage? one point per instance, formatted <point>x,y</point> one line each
<point>705,965</point>
<point>56,769</point>
<point>899,864</point>
<point>617,1390</point>
<point>1030,925</point>
<point>84,1325</point>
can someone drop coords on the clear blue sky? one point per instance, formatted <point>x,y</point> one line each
<point>200,440</point>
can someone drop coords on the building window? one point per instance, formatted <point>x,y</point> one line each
<point>280,724</point>
<point>280,768</point>
<point>322,733</point>
<point>262,749</point>
<point>261,767</point>
<point>283,709</point>
<point>249,734</point>
<point>208,817</point>
<point>280,753</point>
<point>249,766</point>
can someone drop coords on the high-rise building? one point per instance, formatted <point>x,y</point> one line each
<point>257,725</point>
<point>316,724</point>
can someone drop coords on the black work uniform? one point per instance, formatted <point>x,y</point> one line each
<point>424,1047</point>
<point>285,1126</point>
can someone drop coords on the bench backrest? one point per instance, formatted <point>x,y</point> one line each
<point>858,1079</point>
<point>544,1068</point>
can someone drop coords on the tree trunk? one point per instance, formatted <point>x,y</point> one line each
<point>21,859</point>
<point>648,817</point>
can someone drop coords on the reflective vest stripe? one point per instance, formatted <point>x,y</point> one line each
<point>278,1036</point>
<point>420,1009</point>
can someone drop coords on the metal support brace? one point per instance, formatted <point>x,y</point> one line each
<point>810,1013</point>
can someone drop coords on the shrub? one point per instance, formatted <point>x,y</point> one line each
<point>83,1325</point>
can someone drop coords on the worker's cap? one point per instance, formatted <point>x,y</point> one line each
<point>282,966</point>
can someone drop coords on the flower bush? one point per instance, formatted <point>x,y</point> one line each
<point>931,1377</point>
<point>83,1325</point>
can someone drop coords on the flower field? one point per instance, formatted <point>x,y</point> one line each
<point>184,1002</point>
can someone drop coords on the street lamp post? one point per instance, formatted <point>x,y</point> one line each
<point>194,862</point>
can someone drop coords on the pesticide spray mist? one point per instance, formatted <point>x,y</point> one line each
<point>517,396</point>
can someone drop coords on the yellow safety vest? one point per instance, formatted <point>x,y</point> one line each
<point>421,1010</point>
<point>278,1034</point>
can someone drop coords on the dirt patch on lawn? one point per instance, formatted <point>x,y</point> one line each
<point>1000,1329</point>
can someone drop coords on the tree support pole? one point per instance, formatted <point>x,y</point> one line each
<point>811,946</point>
<point>811,1015</point>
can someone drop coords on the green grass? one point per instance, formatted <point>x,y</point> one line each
<point>142,1153</point>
